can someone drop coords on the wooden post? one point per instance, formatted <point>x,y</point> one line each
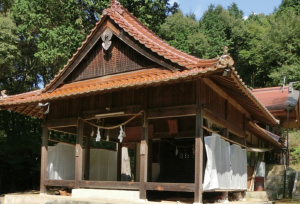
<point>44,158</point>
<point>78,153</point>
<point>119,161</point>
<point>87,158</point>
<point>198,147</point>
<point>150,159</point>
<point>144,160</point>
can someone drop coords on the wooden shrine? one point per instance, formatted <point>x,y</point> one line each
<point>124,73</point>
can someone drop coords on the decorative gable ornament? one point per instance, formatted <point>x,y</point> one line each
<point>106,39</point>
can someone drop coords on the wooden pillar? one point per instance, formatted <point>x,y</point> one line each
<point>150,158</point>
<point>198,148</point>
<point>87,158</point>
<point>144,160</point>
<point>119,161</point>
<point>44,158</point>
<point>78,153</point>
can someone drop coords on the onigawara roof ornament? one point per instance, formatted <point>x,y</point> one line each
<point>3,95</point>
<point>106,38</point>
<point>225,60</point>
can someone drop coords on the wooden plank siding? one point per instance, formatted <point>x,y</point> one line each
<point>189,102</point>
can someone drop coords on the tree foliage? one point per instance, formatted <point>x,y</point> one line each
<point>36,39</point>
<point>264,48</point>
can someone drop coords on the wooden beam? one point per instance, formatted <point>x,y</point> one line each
<point>67,183</point>
<point>144,160</point>
<point>63,122</point>
<point>110,185</point>
<point>222,93</point>
<point>69,143</point>
<point>223,137</point>
<point>169,112</point>
<point>223,123</point>
<point>78,153</point>
<point>177,187</point>
<point>44,159</point>
<point>183,134</point>
<point>128,110</point>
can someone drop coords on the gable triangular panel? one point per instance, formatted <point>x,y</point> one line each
<point>119,58</point>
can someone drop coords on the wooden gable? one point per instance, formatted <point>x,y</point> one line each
<point>119,58</point>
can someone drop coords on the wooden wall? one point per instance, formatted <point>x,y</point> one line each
<point>149,98</point>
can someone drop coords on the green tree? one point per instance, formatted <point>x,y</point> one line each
<point>284,46</point>
<point>216,24</point>
<point>9,52</point>
<point>151,13</point>
<point>34,45</point>
<point>183,33</point>
<point>252,54</point>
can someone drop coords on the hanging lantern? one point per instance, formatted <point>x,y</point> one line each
<point>98,138</point>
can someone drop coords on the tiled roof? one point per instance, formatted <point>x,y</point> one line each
<point>277,139</point>
<point>145,36</point>
<point>136,79</point>
<point>269,136</point>
<point>191,66</point>
<point>272,97</point>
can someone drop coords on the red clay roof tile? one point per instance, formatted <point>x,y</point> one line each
<point>139,78</point>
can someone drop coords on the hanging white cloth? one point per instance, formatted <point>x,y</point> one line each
<point>103,165</point>
<point>125,169</point>
<point>61,162</point>
<point>226,166</point>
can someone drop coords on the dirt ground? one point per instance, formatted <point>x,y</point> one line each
<point>285,201</point>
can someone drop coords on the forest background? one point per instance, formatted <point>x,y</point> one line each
<point>37,37</point>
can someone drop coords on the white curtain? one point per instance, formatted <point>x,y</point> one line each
<point>103,165</point>
<point>226,166</point>
<point>61,163</point>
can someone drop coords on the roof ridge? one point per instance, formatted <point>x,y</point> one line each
<point>141,33</point>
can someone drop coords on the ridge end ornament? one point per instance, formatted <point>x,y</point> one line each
<point>3,94</point>
<point>225,60</point>
<point>106,39</point>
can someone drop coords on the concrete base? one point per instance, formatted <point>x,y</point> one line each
<point>123,195</point>
<point>257,196</point>
<point>51,199</point>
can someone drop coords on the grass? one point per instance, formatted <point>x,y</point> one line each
<point>294,145</point>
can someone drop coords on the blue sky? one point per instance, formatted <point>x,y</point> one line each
<point>200,6</point>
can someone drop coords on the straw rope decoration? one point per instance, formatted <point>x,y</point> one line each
<point>115,126</point>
